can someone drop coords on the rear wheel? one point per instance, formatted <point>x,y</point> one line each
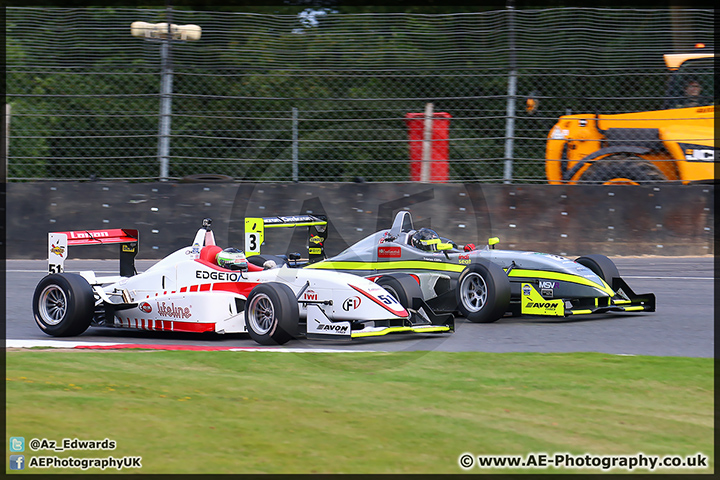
<point>483,292</point>
<point>63,304</point>
<point>402,286</point>
<point>622,170</point>
<point>272,314</point>
<point>601,266</point>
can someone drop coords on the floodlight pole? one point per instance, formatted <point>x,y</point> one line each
<point>166,33</point>
<point>166,78</point>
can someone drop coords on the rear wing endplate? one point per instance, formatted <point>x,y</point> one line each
<point>59,242</point>
<point>317,232</point>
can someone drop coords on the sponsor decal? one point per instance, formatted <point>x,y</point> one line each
<point>545,305</point>
<point>315,251</point>
<point>290,219</point>
<point>351,303</point>
<point>310,295</point>
<point>432,259</point>
<point>316,239</point>
<point>464,259</point>
<point>389,252</point>
<point>547,293</point>
<point>88,235</point>
<point>527,290</point>
<point>547,284</point>
<point>129,248</point>
<point>57,250</point>
<point>333,328</point>
<point>700,154</point>
<point>172,311</point>
<point>220,276</point>
<point>145,307</point>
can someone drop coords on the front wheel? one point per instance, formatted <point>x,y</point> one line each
<point>483,292</point>
<point>63,304</point>
<point>622,170</point>
<point>272,314</point>
<point>402,286</point>
<point>601,266</point>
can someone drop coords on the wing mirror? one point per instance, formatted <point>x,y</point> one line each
<point>493,241</point>
<point>444,246</point>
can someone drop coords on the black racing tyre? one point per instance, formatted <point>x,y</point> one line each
<point>622,170</point>
<point>272,314</point>
<point>601,266</point>
<point>63,304</point>
<point>483,292</point>
<point>402,286</point>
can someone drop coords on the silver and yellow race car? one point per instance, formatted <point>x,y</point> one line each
<point>482,285</point>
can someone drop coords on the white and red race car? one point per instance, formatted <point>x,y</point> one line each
<point>188,291</point>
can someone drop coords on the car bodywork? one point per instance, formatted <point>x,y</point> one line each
<point>188,292</point>
<point>484,285</point>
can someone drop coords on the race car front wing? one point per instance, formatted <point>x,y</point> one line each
<point>422,320</point>
<point>625,300</point>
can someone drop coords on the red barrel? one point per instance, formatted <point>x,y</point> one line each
<point>439,169</point>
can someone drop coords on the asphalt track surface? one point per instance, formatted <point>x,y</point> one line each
<point>683,324</point>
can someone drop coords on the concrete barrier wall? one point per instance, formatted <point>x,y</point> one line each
<point>573,220</point>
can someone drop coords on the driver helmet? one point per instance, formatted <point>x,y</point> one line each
<point>232,258</point>
<point>426,239</point>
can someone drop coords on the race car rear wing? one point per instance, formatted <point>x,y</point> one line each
<point>59,242</point>
<point>317,232</point>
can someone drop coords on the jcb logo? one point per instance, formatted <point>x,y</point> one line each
<point>700,154</point>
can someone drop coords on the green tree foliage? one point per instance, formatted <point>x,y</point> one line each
<point>87,105</point>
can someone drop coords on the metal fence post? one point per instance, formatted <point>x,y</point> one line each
<point>295,149</point>
<point>5,143</point>
<point>427,144</point>
<point>512,91</point>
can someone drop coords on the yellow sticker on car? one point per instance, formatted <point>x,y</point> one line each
<point>532,303</point>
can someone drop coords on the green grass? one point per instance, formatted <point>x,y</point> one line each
<point>409,412</point>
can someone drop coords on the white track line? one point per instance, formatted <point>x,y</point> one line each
<point>14,343</point>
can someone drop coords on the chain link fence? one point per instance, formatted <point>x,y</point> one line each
<point>322,96</point>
